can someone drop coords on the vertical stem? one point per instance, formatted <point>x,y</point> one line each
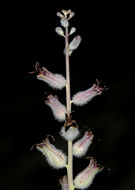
<point>68,102</point>
<point>68,98</point>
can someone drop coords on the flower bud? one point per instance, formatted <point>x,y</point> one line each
<point>55,157</point>
<point>85,178</point>
<point>57,108</point>
<point>71,15</point>
<point>64,22</point>
<point>81,146</point>
<point>66,12</point>
<point>64,183</point>
<point>59,31</point>
<point>75,43</point>
<point>56,81</point>
<point>59,15</point>
<point>83,97</point>
<point>73,29</point>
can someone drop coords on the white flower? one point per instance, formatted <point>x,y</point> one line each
<point>55,157</point>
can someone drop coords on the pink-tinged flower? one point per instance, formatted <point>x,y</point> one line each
<point>55,81</point>
<point>55,157</point>
<point>58,109</point>
<point>64,183</point>
<point>83,97</point>
<point>85,178</point>
<point>81,146</point>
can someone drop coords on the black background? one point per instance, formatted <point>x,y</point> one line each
<point>106,53</point>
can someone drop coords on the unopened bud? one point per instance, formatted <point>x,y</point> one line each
<point>59,15</point>
<point>83,97</point>
<point>71,15</point>
<point>73,29</point>
<point>59,31</point>
<point>75,43</point>
<point>56,81</point>
<point>64,183</point>
<point>81,146</point>
<point>64,22</point>
<point>85,178</point>
<point>55,157</point>
<point>66,12</point>
<point>58,109</point>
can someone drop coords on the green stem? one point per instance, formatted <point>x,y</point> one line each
<point>68,102</point>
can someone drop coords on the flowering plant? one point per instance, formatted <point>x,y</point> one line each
<point>70,130</point>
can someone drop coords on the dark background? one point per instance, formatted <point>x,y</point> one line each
<point>106,53</point>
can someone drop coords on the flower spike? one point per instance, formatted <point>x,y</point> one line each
<point>55,81</point>
<point>81,146</point>
<point>57,108</point>
<point>83,97</point>
<point>55,157</point>
<point>85,178</point>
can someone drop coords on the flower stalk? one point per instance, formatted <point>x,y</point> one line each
<point>68,103</point>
